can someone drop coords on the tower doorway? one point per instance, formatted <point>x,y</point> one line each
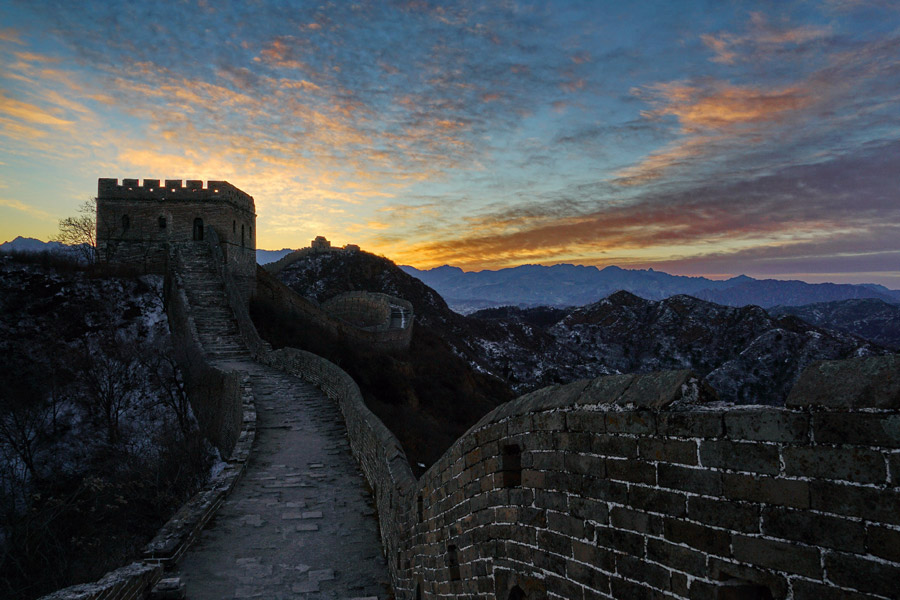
<point>198,229</point>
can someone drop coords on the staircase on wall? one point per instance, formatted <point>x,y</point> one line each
<point>216,324</point>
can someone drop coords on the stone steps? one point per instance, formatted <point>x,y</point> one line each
<point>216,325</point>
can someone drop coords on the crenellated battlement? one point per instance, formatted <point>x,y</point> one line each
<point>174,189</point>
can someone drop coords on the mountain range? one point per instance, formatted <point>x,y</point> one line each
<point>577,285</point>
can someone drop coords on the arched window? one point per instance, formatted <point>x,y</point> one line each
<point>242,235</point>
<point>198,229</point>
<point>126,223</point>
<point>516,593</point>
<point>162,222</point>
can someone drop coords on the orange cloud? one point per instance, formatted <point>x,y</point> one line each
<point>723,105</point>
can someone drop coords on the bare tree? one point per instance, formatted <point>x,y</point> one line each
<point>111,382</point>
<point>80,231</point>
<point>162,364</point>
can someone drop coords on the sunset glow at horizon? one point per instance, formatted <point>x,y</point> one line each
<point>696,138</point>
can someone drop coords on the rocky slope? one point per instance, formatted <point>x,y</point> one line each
<point>747,355</point>
<point>869,318</point>
<point>97,445</point>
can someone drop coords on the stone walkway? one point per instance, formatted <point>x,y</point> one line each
<point>301,522</point>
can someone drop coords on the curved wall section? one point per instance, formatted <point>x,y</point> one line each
<point>633,487</point>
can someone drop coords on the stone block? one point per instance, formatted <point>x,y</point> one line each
<point>621,541</point>
<point>694,480</point>
<point>811,590</point>
<point>594,555</point>
<point>614,445</point>
<point>591,422</point>
<point>677,557</point>
<point>549,421</point>
<point>588,509</point>
<point>882,542</point>
<point>864,575</point>
<point>604,390</point>
<point>873,504</point>
<point>585,464</point>
<point>584,575</point>
<point>691,423</point>
<point>866,429</point>
<point>634,471</point>
<point>723,570</point>
<point>622,517</point>
<point>660,389</point>
<point>670,451</point>
<point>740,456</point>
<point>767,425</point>
<point>622,588</point>
<point>656,500</point>
<point>866,382</point>
<point>777,555</point>
<point>631,422</point>
<point>699,537</point>
<point>813,529</point>
<point>848,463</point>
<point>604,489</point>
<point>771,490</point>
<point>642,571</point>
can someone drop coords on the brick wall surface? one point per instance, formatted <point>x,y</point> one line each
<point>644,486</point>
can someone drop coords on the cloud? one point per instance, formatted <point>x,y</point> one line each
<point>762,40</point>
<point>25,208</point>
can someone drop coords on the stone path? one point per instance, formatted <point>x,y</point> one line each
<point>301,523</point>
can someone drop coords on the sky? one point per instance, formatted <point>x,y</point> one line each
<point>695,137</point>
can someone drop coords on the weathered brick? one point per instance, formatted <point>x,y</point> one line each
<point>672,451</point>
<point>857,428</point>
<point>591,422</point>
<point>894,464</point>
<point>699,537</point>
<point>883,542</point>
<point>698,481</point>
<point>740,456</point>
<point>782,556</point>
<point>603,489</point>
<point>810,590</point>
<point>549,562</point>
<point>655,500</point>
<point>549,421</point>
<point>676,557</point>
<point>739,516</point>
<point>691,424</point>
<point>864,382</point>
<point>634,471</point>
<point>847,463</point>
<point>588,509</point>
<point>635,520</point>
<point>585,464</point>
<point>772,490</point>
<point>622,588</point>
<point>565,524</point>
<point>586,575</point>
<point>554,542</point>
<point>813,529</point>
<point>547,461</point>
<point>614,445</point>
<point>574,441</point>
<point>766,424</point>
<point>856,501</point>
<point>642,571</point>
<point>532,478</point>
<point>638,422</point>
<point>724,569</point>
<point>620,540</point>
<point>590,553</point>
<point>857,573</point>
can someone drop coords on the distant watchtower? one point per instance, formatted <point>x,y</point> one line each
<point>135,223</point>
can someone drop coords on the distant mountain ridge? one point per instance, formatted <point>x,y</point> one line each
<point>577,285</point>
<point>24,244</point>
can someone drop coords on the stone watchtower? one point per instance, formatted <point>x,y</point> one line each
<point>137,223</point>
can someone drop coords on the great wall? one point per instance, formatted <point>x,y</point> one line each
<point>629,486</point>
